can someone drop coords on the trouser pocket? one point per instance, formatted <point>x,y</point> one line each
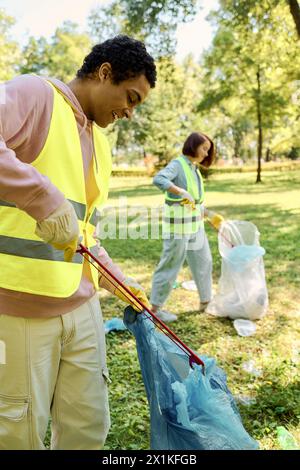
<point>14,423</point>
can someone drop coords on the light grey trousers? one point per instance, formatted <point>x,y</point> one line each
<point>195,249</point>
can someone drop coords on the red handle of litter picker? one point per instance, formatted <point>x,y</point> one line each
<point>192,356</point>
<point>222,235</point>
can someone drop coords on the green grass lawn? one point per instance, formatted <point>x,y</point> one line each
<point>273,206</point>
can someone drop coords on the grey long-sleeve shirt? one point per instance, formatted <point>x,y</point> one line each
<point>173,173</point>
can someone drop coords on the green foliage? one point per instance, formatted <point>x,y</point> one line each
<point>9,49</point>
<point>66,51</point>
<point>160,125</point>
<point>146,13</point>
<point>152,22</point>
<point>219,96</point>
<point>242,47</point>
<point>34,56</point>
<point>60,57</point>
<point>249,10</point>
<point>294,153</point>
<point>100,29</point>
<point>166,113</point>
<point>157,21</point>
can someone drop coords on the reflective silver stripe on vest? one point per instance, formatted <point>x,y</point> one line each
<point>182,220</point>
<point>7,204</point>
<point>33,249</point>
<point>79,208</point>
<point>95,217</point>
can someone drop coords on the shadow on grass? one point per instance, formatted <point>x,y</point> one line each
<point>276,405</point>
<point>279,231</point>
<point>273,182</point>
<point>136,191</point>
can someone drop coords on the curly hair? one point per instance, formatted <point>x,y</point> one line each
<point>127,56</point>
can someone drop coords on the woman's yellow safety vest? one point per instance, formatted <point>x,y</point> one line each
<point>27,264</point>
<point>181,219</point>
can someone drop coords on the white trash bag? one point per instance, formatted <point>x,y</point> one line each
<point>242,290</point>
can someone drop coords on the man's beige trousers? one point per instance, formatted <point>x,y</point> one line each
<point>56,367</point>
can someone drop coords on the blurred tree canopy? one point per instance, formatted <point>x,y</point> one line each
<point>250,77</point>
<point>9,49</point>
<point>59,57</point>
<point>152,21</point>
<point>244,91</point>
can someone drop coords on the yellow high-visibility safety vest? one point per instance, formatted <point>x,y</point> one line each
<point>181,219</point>
<point>27,264</point>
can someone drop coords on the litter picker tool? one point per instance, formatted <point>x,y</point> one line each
<point>222,235</point>
<point>193,358</point>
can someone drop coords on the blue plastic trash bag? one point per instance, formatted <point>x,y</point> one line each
<point>240,256</point>
<point>188,411</point>
<point>114,324</point>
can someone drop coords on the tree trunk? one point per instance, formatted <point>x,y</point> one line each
<point>259,122</point>
<point>295,11</point>
<point>268,155</point>
<point>237,144</point>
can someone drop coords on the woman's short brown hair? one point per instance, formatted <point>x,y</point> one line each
<point>192,143</point>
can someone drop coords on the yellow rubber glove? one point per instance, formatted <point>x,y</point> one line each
<point>69,249</point>
<point>190,204</point>
<point>187,199</point>
<point>137,290</point>
<point>60,229</point>
<point>216,220</point>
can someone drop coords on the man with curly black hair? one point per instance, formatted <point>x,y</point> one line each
<point>55,165</point>
<point>114,78</point>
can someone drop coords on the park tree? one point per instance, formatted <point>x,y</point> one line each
<point>66,51</point>
<point>149,12</point>
<point>155,23</point>
<point>160,125</point>
<point>243,10</point>
<point>60,56</point>
<point>9,49</point>
<point>239,66</point>
<point>34,56</point>
<point>295,12</point>
<point>244,91</point>
<point>100,29</point>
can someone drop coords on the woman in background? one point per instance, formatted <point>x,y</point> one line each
<point>183,224</point>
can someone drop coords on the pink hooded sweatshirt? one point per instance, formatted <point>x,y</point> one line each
<point>26,104</point>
